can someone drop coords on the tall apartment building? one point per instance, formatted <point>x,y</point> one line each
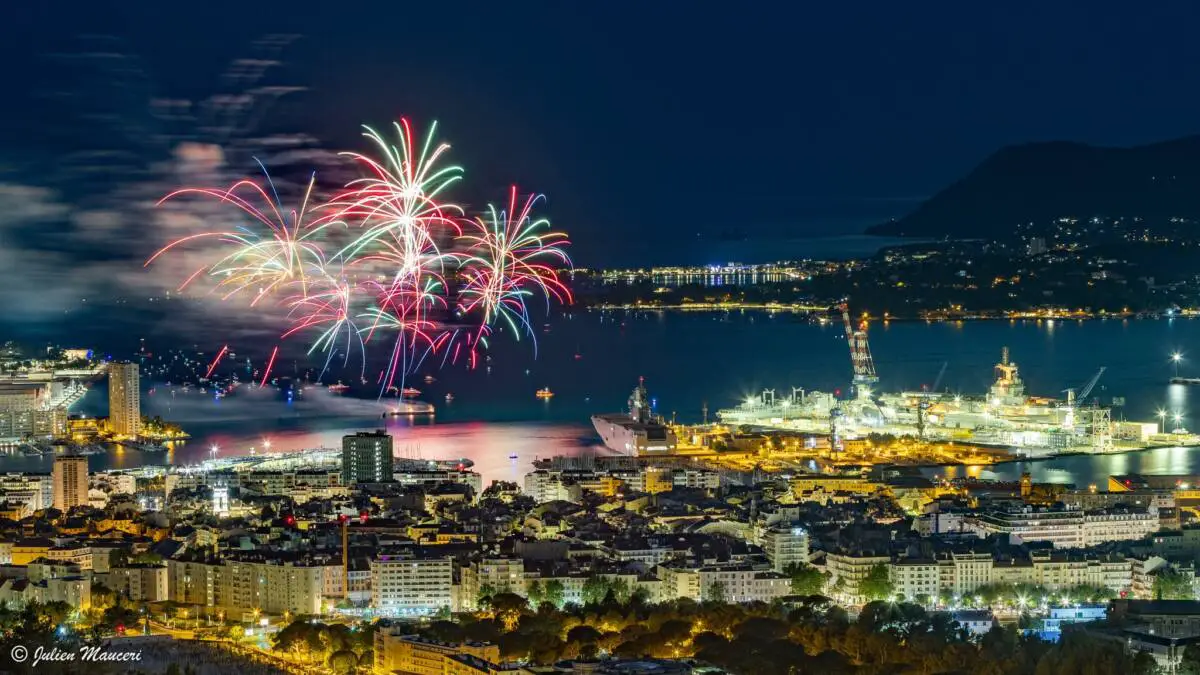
<point>124,399</point>
<point>269,586</point>
<point>492,575</point>
<point>850,570</point>
<point>366,457</point>
<point>140,583</point>
<point>406,586</point>
<point>70,478</point>
<point>785,546</point>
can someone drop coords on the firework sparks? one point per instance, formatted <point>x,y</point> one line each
<point>510,257</point>
<point>396,222</point>
<point>273,250</point>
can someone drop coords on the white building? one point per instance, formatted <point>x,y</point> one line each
<point>1065,528</point>
<point>785,546</point>
<point>742,584</point>
<point>147,583</point>
<point>914,578</point>
<point>492,575</point>
<point>545,486</point>
<point>403,586</point>
<point>696,478</point>
<point>36,492</point>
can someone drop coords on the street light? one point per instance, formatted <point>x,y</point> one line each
<point>1176,357</point>
<point>1162,420</point>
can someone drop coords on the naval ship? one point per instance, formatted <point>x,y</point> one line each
<point>638,432</point>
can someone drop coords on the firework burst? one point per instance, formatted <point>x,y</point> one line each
<point>373,264</point>
<point>511,256</point>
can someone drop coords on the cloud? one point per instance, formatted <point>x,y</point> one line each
<point>28,205</point>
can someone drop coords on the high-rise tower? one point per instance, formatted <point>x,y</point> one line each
<point>367,457</point>
<point>124,399</point>
<point>70,476</point>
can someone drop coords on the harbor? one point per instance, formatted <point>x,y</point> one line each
<point>866,425</point>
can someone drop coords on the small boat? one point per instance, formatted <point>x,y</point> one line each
<point>545,393</point>
<point>429,379</point>
<point>409,392</point>
<point>513,456</point>
<point>449,397</point>
<point>339,388</point>
<point>406,408</point>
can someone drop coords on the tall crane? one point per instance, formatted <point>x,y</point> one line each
<point>860,351</point>
<point>923,403</point>
<point>1076,399</point>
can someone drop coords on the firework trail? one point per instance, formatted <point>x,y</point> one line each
<point>270,365</point>
<point>510,257</point>
<point>213,365</point>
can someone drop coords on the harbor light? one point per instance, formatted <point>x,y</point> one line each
<point>1176,357</point>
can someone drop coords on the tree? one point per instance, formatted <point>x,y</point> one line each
<point>485,594</point>
<point>715,592</point>
<point>343,661</point>
<point>508,608</point>
<point>1190,663</point>
<point>535,593</point>
<point>584,634</point>
<point>806,579</point>
<point>1172,585</point>
<point>553,592</point>
<point>877,585</point>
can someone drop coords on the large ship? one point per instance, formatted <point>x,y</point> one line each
<point>638,432</point>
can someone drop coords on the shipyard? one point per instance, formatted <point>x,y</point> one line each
<point>819,430</point>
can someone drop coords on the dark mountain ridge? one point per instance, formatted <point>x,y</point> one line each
<point>1039,182</point>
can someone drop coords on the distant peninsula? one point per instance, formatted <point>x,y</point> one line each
<point>1045,181</point>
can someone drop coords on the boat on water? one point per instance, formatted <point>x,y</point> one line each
<point>449,397</point>
<point>513,456</point>
<point>409,392</point>
<point>544,393</point>
<point>406,408</point>
<point>339,388</point>
<point>429,379</point>
<point>637,432</point>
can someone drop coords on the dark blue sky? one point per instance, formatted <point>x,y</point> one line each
<point>672,117</point>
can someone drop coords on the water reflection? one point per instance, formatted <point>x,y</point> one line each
<point>1084,470</point>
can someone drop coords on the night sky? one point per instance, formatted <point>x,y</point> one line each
<point>645,123</point>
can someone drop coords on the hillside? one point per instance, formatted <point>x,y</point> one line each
<point>1042,181</point>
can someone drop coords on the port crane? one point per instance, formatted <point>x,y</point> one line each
<point>1076,399</point>
<point>1101,418</point>
<point>860,351</point>
<point>923,403</point>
